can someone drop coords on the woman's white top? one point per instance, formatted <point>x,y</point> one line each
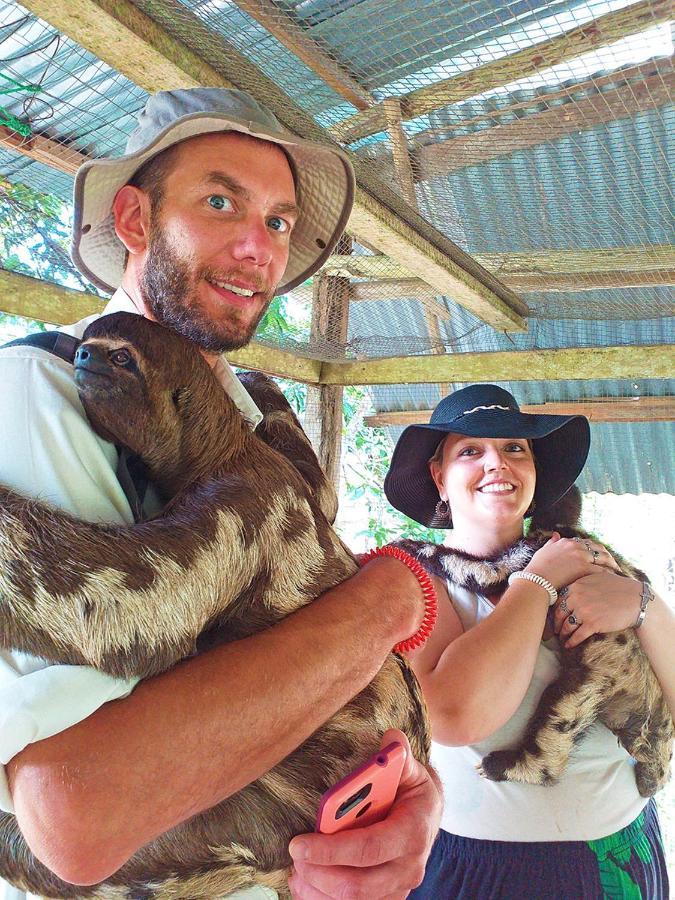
<point>595,797</point>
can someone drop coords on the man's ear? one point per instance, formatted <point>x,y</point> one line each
<point>131,209</point>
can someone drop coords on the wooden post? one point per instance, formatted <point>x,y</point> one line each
<point>406,182</point>
<point>323,413</point>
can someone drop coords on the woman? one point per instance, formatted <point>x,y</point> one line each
<point>480,467</point>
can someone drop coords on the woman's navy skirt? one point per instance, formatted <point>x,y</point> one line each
<point>627,865</point>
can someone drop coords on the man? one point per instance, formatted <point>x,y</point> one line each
<point>212,210</point>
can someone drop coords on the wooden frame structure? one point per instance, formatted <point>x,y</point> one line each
<point>410,258</point>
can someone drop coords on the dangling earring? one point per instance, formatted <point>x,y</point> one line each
<point>442,510</point>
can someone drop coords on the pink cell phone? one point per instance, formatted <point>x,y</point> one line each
<point>365,795</point>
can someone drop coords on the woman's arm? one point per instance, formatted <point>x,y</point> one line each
<point>605,602</point>
<point>473,682</point>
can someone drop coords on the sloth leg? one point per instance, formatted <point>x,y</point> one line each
<point>649,740</point>
<point>566,709</point>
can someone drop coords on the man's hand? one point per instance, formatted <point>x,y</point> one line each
<point>385,860</point>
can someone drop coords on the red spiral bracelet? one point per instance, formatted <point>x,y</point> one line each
<point>430,600</point>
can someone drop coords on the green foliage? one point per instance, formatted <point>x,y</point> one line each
<point>278,325</point>
<point>35,235</point>
<point>366,453</point>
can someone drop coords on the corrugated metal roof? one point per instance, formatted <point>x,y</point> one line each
<point>603,186</point>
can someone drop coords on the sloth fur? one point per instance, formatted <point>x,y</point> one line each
<point>607,677</point>
<point>245,539</point>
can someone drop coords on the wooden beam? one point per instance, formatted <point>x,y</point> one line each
<point>32,298</point>
<point>570,364</point>
<point>273,361</point>
<point>323,410</point>
<point>596,409</point>
<point>657,66</point>
<point>411,288</point>
<point>288,32</point>
<point>595,34</point>
<point>588,281</point>
<point>134,45</point>
<point>475,149</point>
<point>43,150</point>
<point>647,258</point>
<point>130,42</point>
<point>448,277</point>
<point>538,270</point>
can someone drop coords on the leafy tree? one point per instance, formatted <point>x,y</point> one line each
<point>35,235</point>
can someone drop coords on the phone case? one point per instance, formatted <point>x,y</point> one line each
<point>365,795</point>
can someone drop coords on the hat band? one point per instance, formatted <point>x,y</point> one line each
<point>478,408</point>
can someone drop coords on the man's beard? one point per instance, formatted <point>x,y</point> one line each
<point>169,290</point>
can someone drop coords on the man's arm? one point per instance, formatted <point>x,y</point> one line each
<point>88,798</point>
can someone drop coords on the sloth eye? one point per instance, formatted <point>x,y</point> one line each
<point>177,396</point>
<point>120,357</point>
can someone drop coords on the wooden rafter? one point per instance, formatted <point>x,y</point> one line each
<point>570,364</point>
<point>596,409</point>
<point>137,47</point>
<point>657,66</point>
<point>32,298</point>
<point>287,31</point>
<point>598,33</point>
<point>43,150</point>
<point>478,148</point>
<point>35,299</point>
<point>379,290</point>
<point>537,270</point>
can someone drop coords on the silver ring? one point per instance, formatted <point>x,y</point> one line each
<point>596,554</point>
<point>572,619</point>
<point>563,605</point>
<point>564,591</point>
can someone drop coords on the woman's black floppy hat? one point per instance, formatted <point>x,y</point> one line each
<point>560,444</point>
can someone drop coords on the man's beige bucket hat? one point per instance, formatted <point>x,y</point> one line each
<point>324,180</point>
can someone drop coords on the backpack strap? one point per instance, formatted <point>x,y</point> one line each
<point>56,342</point>
<point>130,471</point>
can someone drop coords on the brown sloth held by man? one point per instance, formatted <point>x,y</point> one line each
<point>245,539</point>
<point>607,677</point>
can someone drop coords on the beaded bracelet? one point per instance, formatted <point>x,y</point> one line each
<point>428,591</point>
<point>647,595</point>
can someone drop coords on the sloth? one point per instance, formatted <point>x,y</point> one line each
<point>607,677</point>
<point>243,540</point>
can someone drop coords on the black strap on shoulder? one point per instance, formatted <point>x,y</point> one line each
<point>56,342</point>
<point>130,470</point>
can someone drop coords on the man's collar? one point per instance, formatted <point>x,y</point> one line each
<point>122,302</point>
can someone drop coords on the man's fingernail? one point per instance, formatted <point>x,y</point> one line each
<point>298,850</point>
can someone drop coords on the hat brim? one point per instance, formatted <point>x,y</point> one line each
<point>325,189</point>
<point>560,445</point>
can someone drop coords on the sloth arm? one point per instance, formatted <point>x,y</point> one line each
<point>88,798</point>
<point>607,602</point>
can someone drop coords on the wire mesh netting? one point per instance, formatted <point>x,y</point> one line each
<point>528,144</point>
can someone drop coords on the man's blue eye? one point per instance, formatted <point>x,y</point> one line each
<point>217,201</point>
<point>278,224</point>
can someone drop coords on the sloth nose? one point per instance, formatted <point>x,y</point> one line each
<point>91,359</point>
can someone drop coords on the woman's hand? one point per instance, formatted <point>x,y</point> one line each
<point>564,560</point>
<point>599,603</point>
